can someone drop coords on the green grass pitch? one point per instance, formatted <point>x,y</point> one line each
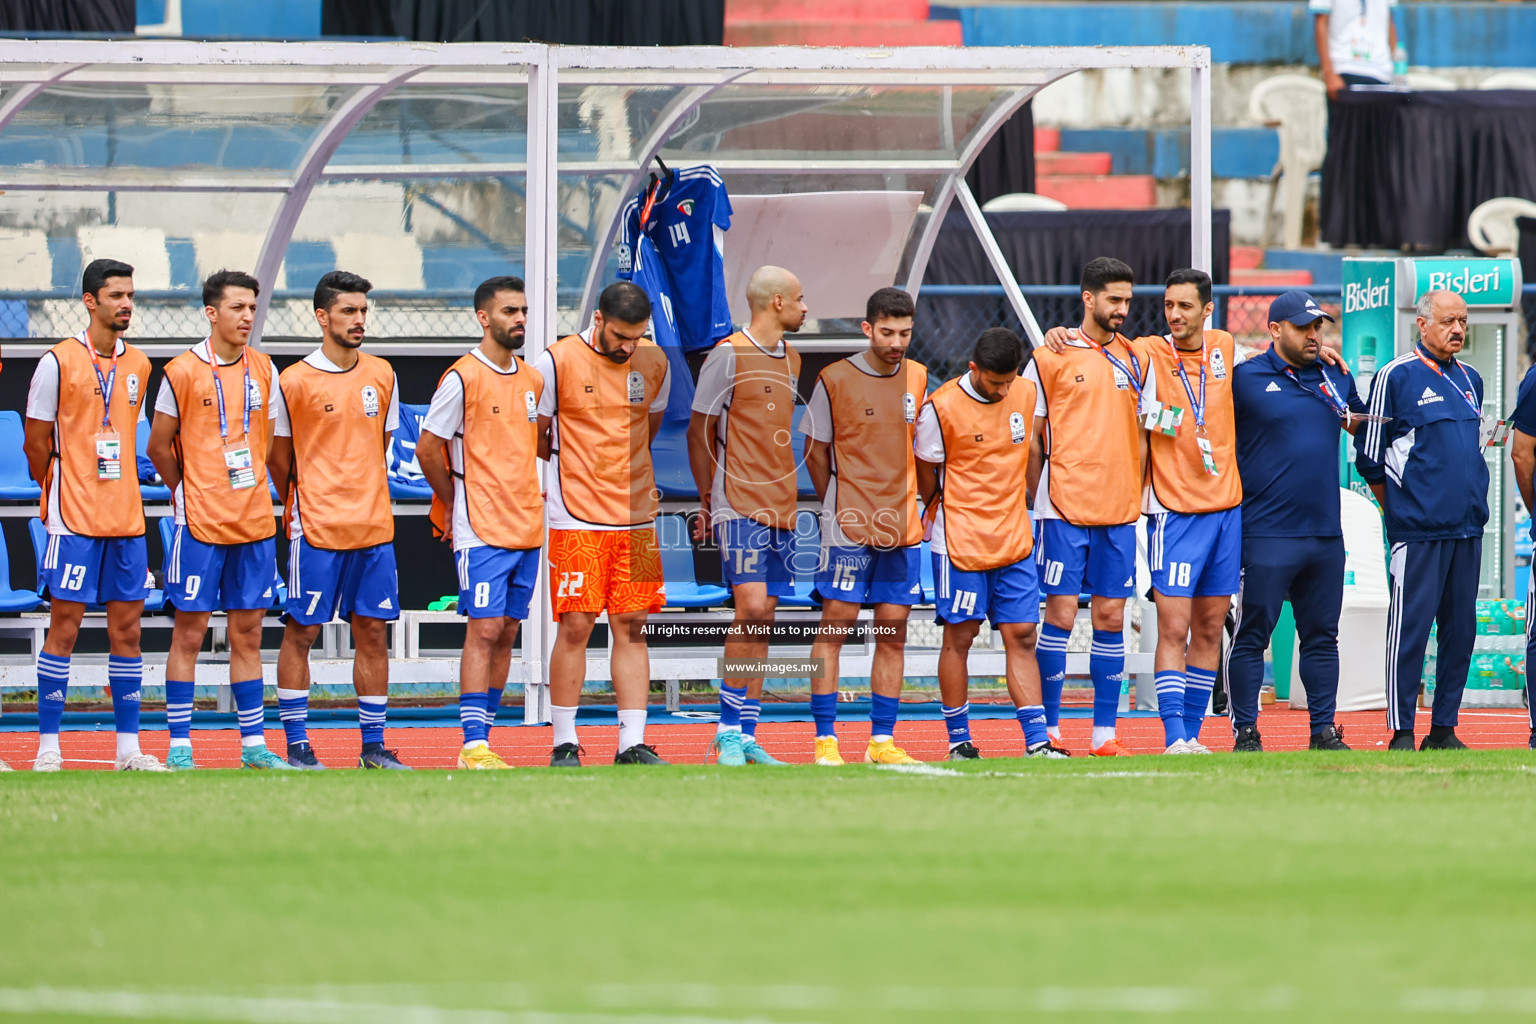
<point>1281,886</point>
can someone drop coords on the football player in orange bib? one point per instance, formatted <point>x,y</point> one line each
<point>976,467</point>
<point>860,421</point>
<point>336,409</point>
<point>606,394</point>
<point>1089,499</point>
<point>213,426</point>
<point>744,465</point>
<point>479,451</point>
<point>82,426</point>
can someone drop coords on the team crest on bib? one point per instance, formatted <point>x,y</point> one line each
<point>370,400</point>
<point>636,384</point>
<point>253,396</point>
<point>626,261</point>
<point>133,389</point>
<point>1017,428</point>
<point>909,406</point>
<point>1121,380</point>
<point>1218,364</point>
<point>533,406</point>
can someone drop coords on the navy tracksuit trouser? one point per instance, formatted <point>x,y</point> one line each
<point>1310,571</point>
<point>1433,581</point>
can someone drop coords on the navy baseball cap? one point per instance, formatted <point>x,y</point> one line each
<point>1298,307</point>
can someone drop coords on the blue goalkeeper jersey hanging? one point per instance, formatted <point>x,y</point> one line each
<point>651,276</point>
<point>686,223</point>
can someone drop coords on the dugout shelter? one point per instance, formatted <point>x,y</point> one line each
<point>427,167</point>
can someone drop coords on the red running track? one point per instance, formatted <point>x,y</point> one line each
<point>438,747</point>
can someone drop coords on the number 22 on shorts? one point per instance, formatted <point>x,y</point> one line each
<point>571,584</point>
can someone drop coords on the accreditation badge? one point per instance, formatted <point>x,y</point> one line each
<point>239,465</point>
<point>109,456</point>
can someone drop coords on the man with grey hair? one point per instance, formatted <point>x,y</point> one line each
<point>1422,454</point>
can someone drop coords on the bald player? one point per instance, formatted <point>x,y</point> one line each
<point>861,420</point>
<point>744,465</point>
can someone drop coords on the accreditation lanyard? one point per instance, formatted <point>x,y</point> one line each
<point>1178,365</point>
<point>1329,394</point>
<point>1133,377</point>
<point>245,394</point>
<point>107,382</point>
<point>238,463</point>
<point>1469,395</point>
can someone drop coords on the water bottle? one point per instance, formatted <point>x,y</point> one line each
<point>1399,67</point>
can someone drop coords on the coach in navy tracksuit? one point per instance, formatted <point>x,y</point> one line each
<point>1290,407</point>
<point>1425,465</point>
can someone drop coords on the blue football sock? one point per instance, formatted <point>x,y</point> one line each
<point>52,685</point>
<point>492,705</point>
<point>126,678</point>
<point>731,698</point>
<point>1106,664</point>
<point>1197,695</point>
<point>1032,720</point>
<point>1170,704</point>
<point>750,710</point>
<point>472,717</point>
<point>178,709</point>
<point>824,711</point>
<point>882,715</point>
<point>293,710</point>
<point>249,709</point>
<point>957,722</point>
<point>1051,655</point>
<point>370,719</point>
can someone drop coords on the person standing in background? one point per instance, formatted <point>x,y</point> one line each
<point>1355,42</point>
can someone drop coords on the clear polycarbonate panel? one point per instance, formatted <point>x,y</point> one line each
<point>841,122</point>
<point>166,134</point>
<point>440,125</point>
<point>171,242</point>
<point>423,244</point>
<point>611,126</point>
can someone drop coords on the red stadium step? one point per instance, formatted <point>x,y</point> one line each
<point>1058,163</point>
<point>1246,257</point>
<point>1281,279</point>
<point>1100,191</point>
<point>844,33</point>
<point>1047,140</point>
<point>825,10</point>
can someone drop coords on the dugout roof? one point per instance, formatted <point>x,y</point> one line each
<point>252,154</point>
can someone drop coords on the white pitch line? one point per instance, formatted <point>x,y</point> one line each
<point>257,1010</point>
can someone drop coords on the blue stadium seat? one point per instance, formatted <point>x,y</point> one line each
<point>405,480</point>
<point>149,491</point>
<point>683,588</point>
<point>168,537</point>
<point>39,534</point>
<point>925,564</point>
<point>13,600</point>
<point>674,477</point>
<point>804,558</point>
<point>15,479</point>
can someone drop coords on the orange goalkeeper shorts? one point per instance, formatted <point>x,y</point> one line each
<point>596,570</point>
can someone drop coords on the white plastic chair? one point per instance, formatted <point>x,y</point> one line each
<point>1509,80</point>
<point>1427,81</point>
<point>1297,106</point>
<point>1021,202</point>
<point>1492,227</point>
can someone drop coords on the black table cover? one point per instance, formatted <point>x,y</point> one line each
<point>1405,169</point>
